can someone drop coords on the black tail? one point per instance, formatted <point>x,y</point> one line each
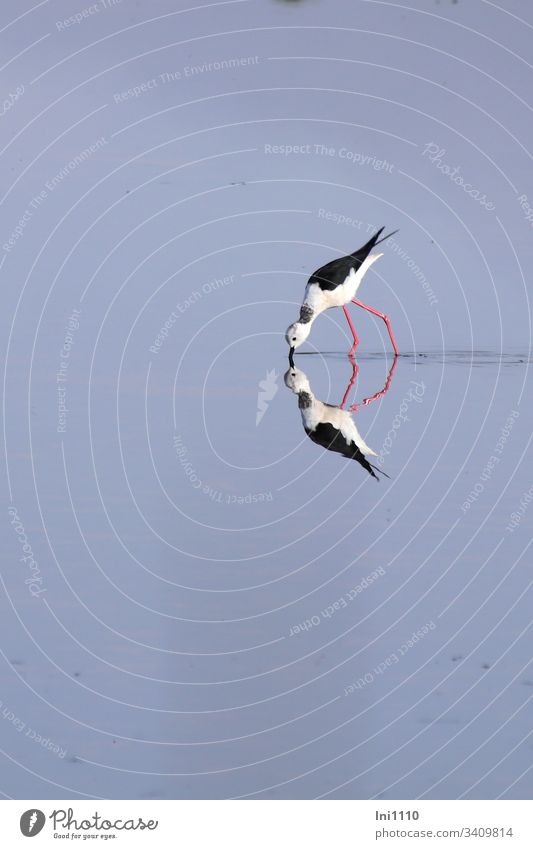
<point>373,473</point>
<point>363,252</point>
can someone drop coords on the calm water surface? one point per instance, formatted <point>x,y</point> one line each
<point>232,610</point>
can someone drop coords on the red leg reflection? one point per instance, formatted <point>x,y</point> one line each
<point>355,372</point>
<point>366,401</point>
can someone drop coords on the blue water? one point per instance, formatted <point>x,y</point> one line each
<point>198,601</point>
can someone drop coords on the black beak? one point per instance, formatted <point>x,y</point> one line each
<point>291,357</point>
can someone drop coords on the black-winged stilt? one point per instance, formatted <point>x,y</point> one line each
<point>328,426</point>
<point>335,285</point>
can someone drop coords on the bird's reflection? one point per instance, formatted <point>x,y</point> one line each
<point>333,427</point>
<point>366,401</point>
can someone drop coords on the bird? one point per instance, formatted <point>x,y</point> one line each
<point>335,285</point>
<point>329,426</point>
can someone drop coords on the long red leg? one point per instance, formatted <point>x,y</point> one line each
<point>366,401</point>
<point>380,315</point>
<point>352,328</point>
<point>355,371</point>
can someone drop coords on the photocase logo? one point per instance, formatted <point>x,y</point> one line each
<point>32,822</point>
<point>267,389</point>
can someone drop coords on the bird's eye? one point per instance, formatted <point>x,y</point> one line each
<point>294,338</point>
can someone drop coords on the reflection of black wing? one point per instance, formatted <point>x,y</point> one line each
<point>328,436</point>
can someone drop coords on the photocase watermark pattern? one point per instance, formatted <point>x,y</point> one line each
<point>267,391</point>
<point>518,514</point>
<point>526,208</point>
<point>220,497</point>
<point>339,604</point>
<point>12,97</point>
<point>84,14</point>
<point>184,305</point>
<point>491,463</point>
<point>435,155</point>
<point>393,245</point>
<point>34,580</point>
<point>92,155</point>
<point>391,660</point>
<point>51,184</point>
<point>414,395</point>
<point>62,374</point>
<point>79,159</point>
<point>186,73</point>
<point>355,157</point>
<point>339,218</point>
<point>24,220</point>
<point>30,733</point>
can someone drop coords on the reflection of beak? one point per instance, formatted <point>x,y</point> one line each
<point>291,357</point>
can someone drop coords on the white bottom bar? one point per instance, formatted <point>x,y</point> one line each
<point>267,824</point>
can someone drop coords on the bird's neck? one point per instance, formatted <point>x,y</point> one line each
<point>305,400</point>
<point>307,314</point>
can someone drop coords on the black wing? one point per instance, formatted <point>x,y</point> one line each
<point>330,437</point>
<point>335,272</point>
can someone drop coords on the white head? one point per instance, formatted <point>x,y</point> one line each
<point>296,381</point>
<point>297,333</point>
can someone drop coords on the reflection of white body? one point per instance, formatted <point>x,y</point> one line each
<point>316,412</point>
<point>328,426</point>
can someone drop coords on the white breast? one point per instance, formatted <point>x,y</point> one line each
<point>324,299</point>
